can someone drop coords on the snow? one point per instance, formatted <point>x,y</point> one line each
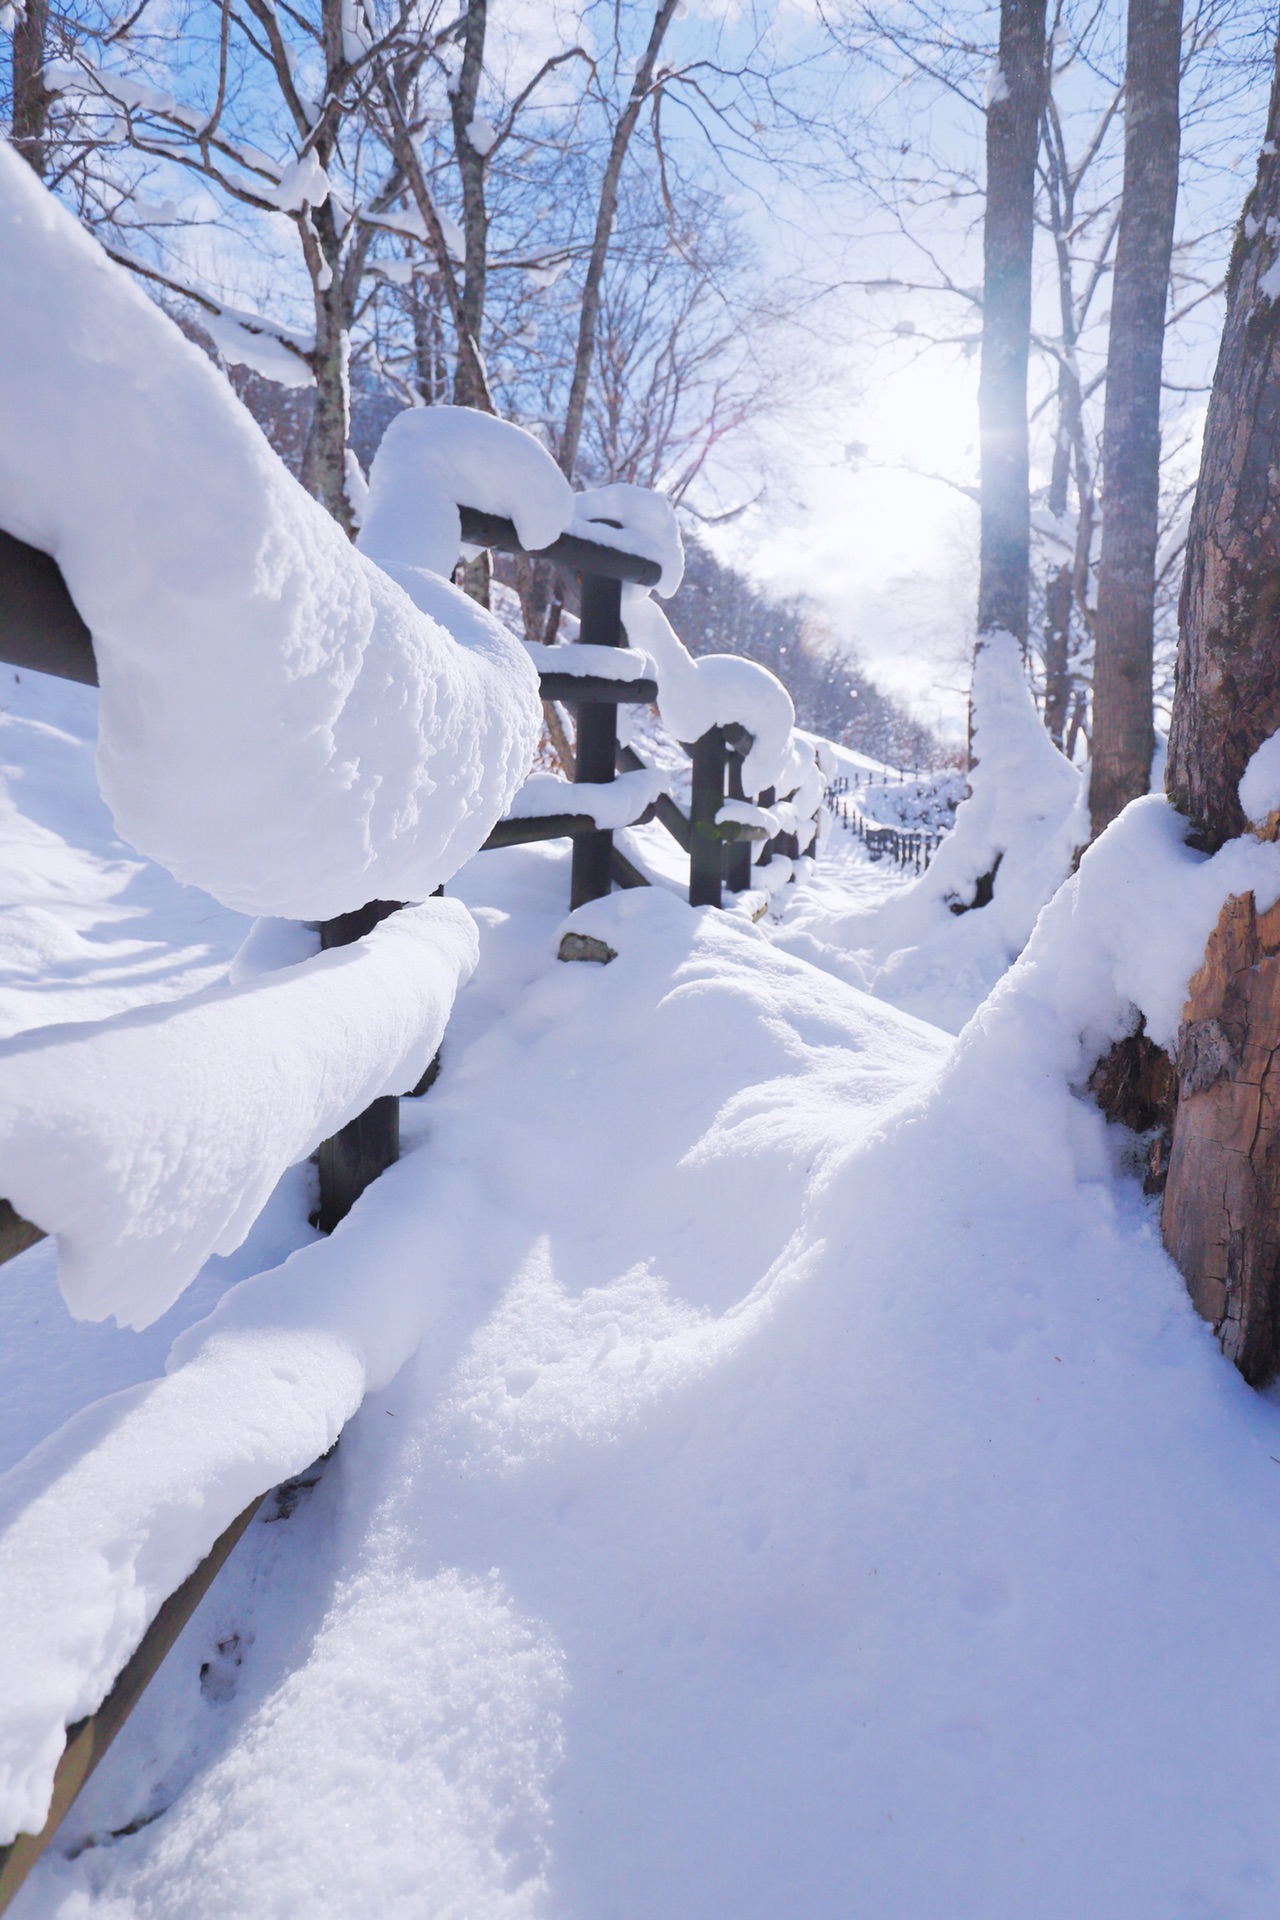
<point>717,689</point>
<point>152,1139</point>
<point>482,135</point>
<point>432,460</point>
<point>303,182</point>
<point>1260,783</point>
<point>258,348</point>
<point>263,685</point>
<point>646,524</point>
<point>767,820</point>
<point>788,1475</point>
<point>603,663</point>
<point>617,803</point>
<point>1023,819</point>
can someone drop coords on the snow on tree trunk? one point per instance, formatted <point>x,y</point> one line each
<point>1123,731</point>
<point>1222,1201</point>
<point>1015,102</point>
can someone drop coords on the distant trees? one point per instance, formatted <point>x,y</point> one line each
<point>718,610</point>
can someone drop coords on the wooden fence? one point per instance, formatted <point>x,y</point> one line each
<point>40,628</point>
<point>907,846</point>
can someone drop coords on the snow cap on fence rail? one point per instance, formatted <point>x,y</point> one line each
<point>152,1139</point>
<point>714,690</point>
<point>434,460</point>
<point>646,524</point>
<point>280,725</point>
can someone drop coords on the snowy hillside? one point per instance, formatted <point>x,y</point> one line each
<point>791,1479</point>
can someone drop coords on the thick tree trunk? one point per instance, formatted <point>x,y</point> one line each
<point>1123,730</point>
<point>1222,1203</point>
<point>1013,137</point>
<point>30,100</point>
<point>1227,696</point>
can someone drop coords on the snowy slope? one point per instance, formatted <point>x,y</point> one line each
<point>812,1493</point>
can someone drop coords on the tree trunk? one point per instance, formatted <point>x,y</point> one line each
<point>30,100</point>
<point>1123,729</point>
<point>1222,1202</point>
<point>575,411</point>
<point>324,461</point>
<point>1227,695</point>
<point>1013,136</point>
<point>475,213</point>
<point>1059,589</point>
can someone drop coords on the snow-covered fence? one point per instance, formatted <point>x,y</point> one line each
<point>912,847</point>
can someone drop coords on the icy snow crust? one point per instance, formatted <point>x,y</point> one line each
<point>279,725</point>
<point>788,1475</point>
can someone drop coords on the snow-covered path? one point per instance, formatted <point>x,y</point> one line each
<point>814,1494</point>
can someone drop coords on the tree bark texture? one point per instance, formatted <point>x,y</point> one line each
<point>475,213</point>
<point>324,463</point>
<point>1013,138</point>
<point>1227,693</point>
<point>1123,728</point>
<point>1222,1202</point>
<point>30,100</point>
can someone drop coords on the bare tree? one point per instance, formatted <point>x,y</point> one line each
<point>1123,726</point>
<point>1015,105</point>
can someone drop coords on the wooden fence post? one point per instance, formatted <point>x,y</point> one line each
<point>600,626</point>
<point>354,1156</point>
<point>737,859</point>
<point>706,848</point>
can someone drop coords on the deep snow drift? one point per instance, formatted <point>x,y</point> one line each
<point>810,1492</point>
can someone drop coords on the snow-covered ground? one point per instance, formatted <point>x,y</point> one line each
<point>811,1493</point>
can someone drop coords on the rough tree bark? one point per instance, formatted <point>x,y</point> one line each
<point>1123,728</point>
<point>1227,700</point>
<point>1013,137</point>
<point>30,100</point>
<point>1222,1202</point>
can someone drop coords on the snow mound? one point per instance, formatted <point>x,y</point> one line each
<point>150,1140</point>
<point>279,724</point>
<point>938,946</point>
